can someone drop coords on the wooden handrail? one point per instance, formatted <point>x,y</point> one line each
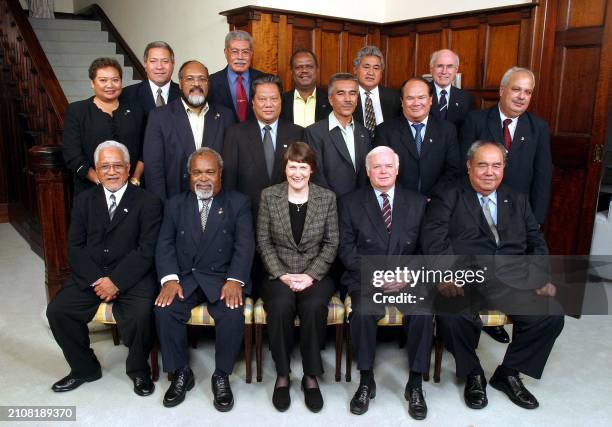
<point>96,12</point>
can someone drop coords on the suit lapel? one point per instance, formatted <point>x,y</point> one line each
<point>407,139</point>
<point>312,213</point>
<point>214,221</point>
<point>191,210</point>
<point>211,127</point>
<point>282,143</point>
<point>472,203</point>
<point>147,95</point>
<point>398,212</point>
<point>174,92</point>
<point>522,134</point>
<point>183,127</point>
<point>100,205</point>
<point>504,206</point>
<point>430,137</point>
<point>280,212</point>
<point>338,141</point>
<point>495,126</point>
<point>256,150</point>
<point>123,208</point>
<point>360,136</point>
<point>374,213</point>
<point>358,114</point>
<point>321,106</point>
<point>227,94</point>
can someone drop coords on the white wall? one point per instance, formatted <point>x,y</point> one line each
<point>195,29</point>
<point>65,6</point>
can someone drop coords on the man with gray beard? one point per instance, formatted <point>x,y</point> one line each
<point>204,254</point>
<point>179,128</point>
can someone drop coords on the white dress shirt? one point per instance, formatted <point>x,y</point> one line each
<point>511,126</point>
<point>375,97</point>
<point>165,93</point>
<point>196,122</point>
<point>348,134</point>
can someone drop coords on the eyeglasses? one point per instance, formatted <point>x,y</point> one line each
<point>117,167</point>
<point>192,80</point>
<point>240,52</point>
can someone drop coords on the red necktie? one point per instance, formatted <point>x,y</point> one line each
<point>241,100</point>
<point>507,137</point>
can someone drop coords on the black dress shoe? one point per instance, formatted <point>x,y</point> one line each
<point>143,386</point>
<point>498,333</point>
<point>182,382</point>
<point>70,383</point>
<point>417,408</point>
<point>281,399</point>
<point>312,397</point>
<point>515,390</point>
<point>361,400</point>
<point>475,394</point>
<point>222,392</point>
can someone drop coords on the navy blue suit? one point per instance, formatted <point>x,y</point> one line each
<point>219,91</point>
<point>168,142</point>
<point>529,163</point>
<point>203,262</point>
<point>460,102</point>
<point>141,94</point>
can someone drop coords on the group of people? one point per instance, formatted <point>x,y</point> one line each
<point>249,190</point>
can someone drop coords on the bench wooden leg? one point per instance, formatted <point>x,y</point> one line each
<point>258,344</point>
<point>192,336</point>
<point>248,351</point>
<point>438,359</point>
<point>339,340</point>
<point>349,353</point>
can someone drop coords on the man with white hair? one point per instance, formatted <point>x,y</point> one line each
<point>449,102</point>
<point>382,220</point>
<point>111,245</point>
<point>231,86</point>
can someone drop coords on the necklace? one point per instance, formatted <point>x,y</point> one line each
<point>299,205</point>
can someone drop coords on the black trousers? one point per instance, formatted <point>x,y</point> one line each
<point>418,329</point>
<point>282,305</point>
<point>71,310</point>
<point>172,332</point>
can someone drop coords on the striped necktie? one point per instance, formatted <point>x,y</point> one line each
<point>386,211</point>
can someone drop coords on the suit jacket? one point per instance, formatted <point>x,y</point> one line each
<point>455,225</point>
<point>335,169</point>
<point>122,249</point>
<point>168,142</point>
<point>529,163</point>
<point>322,107</point>
<point>316,251</point>
<point>244,166</point>
<point>140,94</point>
<point>219,91</point>
<point>460,102</point>
<point>390,104</point>
<point>438,164</point>
<point>363,232</point>
<point>206,259</point>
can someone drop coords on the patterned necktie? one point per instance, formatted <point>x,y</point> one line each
<point>241,100</point>
<point>204,212</point>
<point>370,117</point>
<point>418,139</point>
<point>489,218</point>
<point>159,101</point>
<point>507,136</point>
<point>268,150</point>
<point>386,211</point>
<point>443,105</point>
<point>113,207</point>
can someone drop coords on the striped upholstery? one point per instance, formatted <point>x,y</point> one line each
<point>493,318</point>
<point>199,314</point>
<point>335,312</point>
<point>392,317</point>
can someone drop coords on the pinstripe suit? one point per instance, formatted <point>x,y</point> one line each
<point>313,255</point>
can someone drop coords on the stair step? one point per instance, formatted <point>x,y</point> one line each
<point>82,73</point>
<point>99,48</point>
<point>65,24</point>
<point>83,60</point>
<point>76,87</point>
<point>71,35</point>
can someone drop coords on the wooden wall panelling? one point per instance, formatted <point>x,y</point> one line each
<point>331,45</point>
<point>502,52</point>
<point>464,42</point>
<point>399,54</point>
<point>265,35</point>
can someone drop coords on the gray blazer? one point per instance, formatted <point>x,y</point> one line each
<point>319,243</point>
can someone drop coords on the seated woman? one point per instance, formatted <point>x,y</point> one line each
<point>102,118</point>
<point>297,237</point>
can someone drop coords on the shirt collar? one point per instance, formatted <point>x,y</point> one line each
<point>439,89</point>
<point>296,94</point>
<point>390,193</point>
<point>118,194</point>
<point>232,75</point>
<point>504,117</point>
<point>333,122</point>
<point>274,125</point>
<point>189,109</point>
<point>165,88</point>
<point>362,91</point>
<point>492,197</point>
<point>423,122</point>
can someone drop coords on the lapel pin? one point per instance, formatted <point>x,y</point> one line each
<point>522,138</point>
<point>456,104</point>
<point>127,112</point>
<point>284,145</point>
<point>217,116</point>
<point>220,211</point>
<point>505,200</point>
<point>430,140</point>
<point>125,210</point>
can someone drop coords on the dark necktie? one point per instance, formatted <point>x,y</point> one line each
<point>386,211</point>
<point>113,207</point>
<point>268,150</point>
<point>417,137</point>
<point>370,117</point>
<point>443,105</point>
<point>204,212</point>
<point>489,218</point>
<point>507,136</point>
<point>159,101</point>
<point>241,100</point>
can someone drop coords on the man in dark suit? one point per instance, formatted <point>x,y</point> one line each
<point>525,136</point>
<point>305,103</point>
<point>231,86</point>
<point>449,102</point>
<point>158,89</point>
<point>376,103</point>
<point>480,216</point>
<point>427,146</point>
<point>339,142</point>
<point>111,244</point>
<point>178,129</point>
<point>382,220</point>
<point>203,254</point>
<point>253,151</point>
